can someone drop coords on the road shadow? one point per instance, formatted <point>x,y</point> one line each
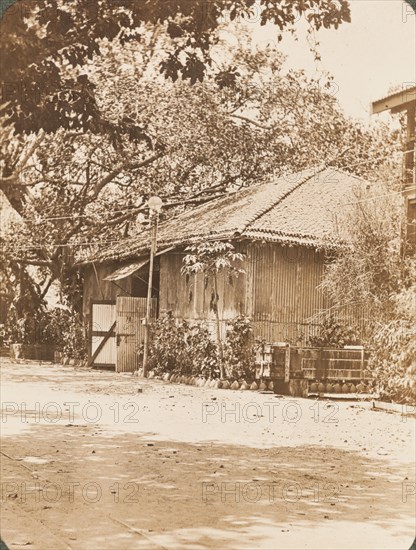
<point>141,493</point>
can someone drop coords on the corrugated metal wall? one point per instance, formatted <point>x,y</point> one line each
<point>278,291</point>
<point>130,331</point>
<point>284,291</point>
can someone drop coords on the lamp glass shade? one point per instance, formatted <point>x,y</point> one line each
<point>155,204</point>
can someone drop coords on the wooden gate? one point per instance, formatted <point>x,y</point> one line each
<point>130,331</point>
<point>103,335</point>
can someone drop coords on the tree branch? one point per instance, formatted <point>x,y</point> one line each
<point>250,121</point>
<point>123,166</point>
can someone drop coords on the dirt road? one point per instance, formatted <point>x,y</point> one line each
<point>101,460</point>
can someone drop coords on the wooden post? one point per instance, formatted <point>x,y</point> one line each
<point>287,363</point>
<point>153,245</point>
<point>218,327</point>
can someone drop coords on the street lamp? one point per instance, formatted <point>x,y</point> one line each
<point>155,206</point>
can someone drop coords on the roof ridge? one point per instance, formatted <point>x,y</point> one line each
<point>342,171</point>
<point>259,213</point>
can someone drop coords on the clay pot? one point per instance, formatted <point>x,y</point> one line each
<point>254,386</point>
<point>337,388</point>
<point>244,386</point>
<point>271,385</point>
<point>314,387</point>
<point>263,386</point>
<point>225,385</point>
<point>345,388</point>
<point>235,385</point>
<point>321,387</point>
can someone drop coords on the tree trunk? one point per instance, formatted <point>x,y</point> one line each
<point>218,326</point>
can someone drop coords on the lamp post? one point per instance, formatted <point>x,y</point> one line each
<point>155,205</point>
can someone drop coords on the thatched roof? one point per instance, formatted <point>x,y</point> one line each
<point>300,209</point>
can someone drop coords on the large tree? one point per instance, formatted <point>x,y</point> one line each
<point>41,39</point>
<point>116,101</point>
<point>202,141</point>
<point>47,46</point>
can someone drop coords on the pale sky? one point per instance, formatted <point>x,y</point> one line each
<point>375,51</point>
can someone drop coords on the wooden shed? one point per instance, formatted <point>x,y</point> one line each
<point>284,227</point>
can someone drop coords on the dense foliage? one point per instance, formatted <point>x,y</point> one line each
<point>57,327</point>
<point>189,349</point>
<point>376,277</point>
<point>239,349</point>
<point>392,362</point>
<point>335,332</point>
<point>41,41</point>
<point>177,346</point>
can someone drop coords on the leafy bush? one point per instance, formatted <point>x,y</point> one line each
<point>66,330</point>
<point>74,339</point>
<point>239,351</point>
<point>59,327</point>
<point>32,328</point>
<point>392,361</point>
<point>334,332</point>
<point>177,346</point>
<point>203,351</point>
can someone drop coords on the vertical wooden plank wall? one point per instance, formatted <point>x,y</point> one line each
<point>189,298</point>
<point>94,290</point>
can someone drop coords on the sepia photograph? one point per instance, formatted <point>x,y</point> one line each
<point>208,275</point>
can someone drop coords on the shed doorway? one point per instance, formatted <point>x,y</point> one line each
<point>130,331</point>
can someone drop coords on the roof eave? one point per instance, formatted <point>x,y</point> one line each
<point>396,102</point>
